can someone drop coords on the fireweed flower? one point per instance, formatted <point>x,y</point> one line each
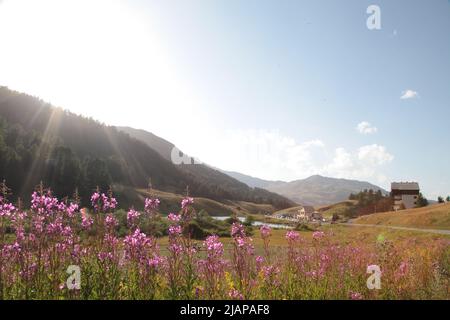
<point>61,207</point>
<point>38,224</point>
<point>175,230</point>
<point>44,204</point>
<point>292,236</point>
<point>355,296</point>
<point>133,217</point>
<point>271,275</point>
<point>175,248</point>
<point>237,230</point>
<point>259,260</point>
<point>86,222</point>
<point>212,269</point>
<point>6,209</point>
<point>155,262</point>
<point>12,249</point>
<point>402,270</point>
<point>266,231</point>
<point>72,209</point>
<point>317,235</point>
<point>94,198</point>
<point>111,222</point>
<point>240,239</point>
<point>108,252</point>
<point>111,204</point>
<point>213,246</point>
<point>55,227</point>
<point>174,218</point>
<point>151,205</point>
<point>186,202</point>
<point>103,202</point>
<point>235,294</point>
<point>137,246</point>
<point>268,271</point>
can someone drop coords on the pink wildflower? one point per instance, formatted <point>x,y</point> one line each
<point>174,217</point>
<point>356,296</point>
<point>292,236</point>
<point>187,202</point>
<point>317,235</point>
<point>266,231</point>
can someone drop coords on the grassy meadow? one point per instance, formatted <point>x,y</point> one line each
<point>124,255</point>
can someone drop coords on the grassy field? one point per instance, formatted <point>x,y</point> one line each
<point>330,262</point>
<point>342,235</point>
<point>432,217</point>
<point>170,203</point>
<point>341,209</point>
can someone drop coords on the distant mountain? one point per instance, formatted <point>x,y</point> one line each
<point>65,151</point>
<point>315,190</point>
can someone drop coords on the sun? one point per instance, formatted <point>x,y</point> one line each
<point>100,58</point>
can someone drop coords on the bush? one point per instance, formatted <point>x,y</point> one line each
<point>303,227</point>
<point>196,232</point>
<point>249,221</point>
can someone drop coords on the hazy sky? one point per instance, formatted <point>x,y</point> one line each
<point>274,89</point>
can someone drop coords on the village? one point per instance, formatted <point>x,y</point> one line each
<point>404,195</point>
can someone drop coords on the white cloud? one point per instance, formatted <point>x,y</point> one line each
<point>409,94</point>
<point>266,154</point>
<point>366,128</point>
<point>374,155</point>
<point>363,164</point>
<point>274,156</point>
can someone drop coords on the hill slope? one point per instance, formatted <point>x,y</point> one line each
<point>252,181</point>
<point>431,217</point>
<point>160,145</point>
<point>170,202</point>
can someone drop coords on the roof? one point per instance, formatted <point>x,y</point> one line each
<point>405,186</point>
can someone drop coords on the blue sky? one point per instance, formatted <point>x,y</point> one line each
<point>274,89</point>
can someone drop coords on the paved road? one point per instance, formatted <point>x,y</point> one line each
<point>436,231</point>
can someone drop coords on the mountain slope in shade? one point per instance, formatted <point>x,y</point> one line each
<point>252,181</point>
<point>315,190</point>
<point>39,142</point>
<point>162,146</point>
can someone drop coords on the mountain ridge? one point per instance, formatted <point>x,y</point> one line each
<point>314,190</point>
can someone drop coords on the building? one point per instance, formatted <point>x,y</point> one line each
<point>305,213</point>
<point>317,216</point>
<point>405,195</point>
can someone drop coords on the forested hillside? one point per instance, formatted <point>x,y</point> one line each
<point>41,143</point>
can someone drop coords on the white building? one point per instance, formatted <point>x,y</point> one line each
<point>305,213</point>
<point>405,195</point>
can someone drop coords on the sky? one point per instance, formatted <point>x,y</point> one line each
<point>279,90</point>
